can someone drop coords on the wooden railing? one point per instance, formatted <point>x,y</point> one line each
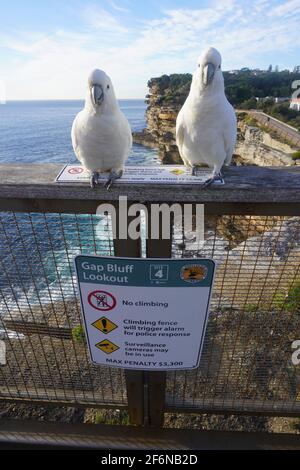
<point>248,191</point>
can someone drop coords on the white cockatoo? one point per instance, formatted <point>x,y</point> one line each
<point>206,125</point>
<point>101,134</point>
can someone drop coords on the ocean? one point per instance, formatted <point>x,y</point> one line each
<point>40,131</point>
<point>37,250</point>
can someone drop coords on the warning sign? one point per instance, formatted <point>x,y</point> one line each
<point>75,170</point>
<point>101,300</point>
<point>156,310</point>
<point>107,346</point>
<point>135,174</point>
<point>105,325</point>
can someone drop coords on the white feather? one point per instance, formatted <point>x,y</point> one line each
<point>206,124</point>
<point>101,135</point>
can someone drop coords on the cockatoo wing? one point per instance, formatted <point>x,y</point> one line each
<point>74,137</point>
<point>230,134</point>
<point>179,131</point>
<point>180,136</point>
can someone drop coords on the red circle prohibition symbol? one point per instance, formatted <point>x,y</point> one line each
<point>74,171</point>
<point>101,300</point>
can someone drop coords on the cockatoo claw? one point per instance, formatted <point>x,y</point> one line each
<point>94,179</point>
<point>113,176</point>
<point>214,177</point>
<point>194,170</point>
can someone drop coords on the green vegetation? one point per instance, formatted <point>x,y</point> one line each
<point>242,89</point>
<point>78,334</point>
<point>282,301</point>
<point>245,84</point>
<point>112,417</point>
<point>172,82</point>
<point>172,88</point>
<point>296,155</point>
<point>289,302</point>
<point>275,135</point>
<point>281,111</point>
<point>250,308</point>
<point>250,121</point>
<point>295,424</point>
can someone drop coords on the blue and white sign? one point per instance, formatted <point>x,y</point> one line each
<point>148,314</point>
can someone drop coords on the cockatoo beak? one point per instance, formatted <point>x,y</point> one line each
<point>97,94</point>
<point>208,73</point>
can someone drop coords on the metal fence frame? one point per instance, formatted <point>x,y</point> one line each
<point>23,189</point>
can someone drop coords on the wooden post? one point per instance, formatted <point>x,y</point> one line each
<point>156,381</point>
<point>134,379</point>
<point>145,390</point>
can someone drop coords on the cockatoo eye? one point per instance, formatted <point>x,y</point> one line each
<point>107,87</point>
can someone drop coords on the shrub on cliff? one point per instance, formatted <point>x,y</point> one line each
<point>288,302</point>
<point>172,88</point>
<point>78,334</point>
<point>296,155</point>
<point>178,80</point>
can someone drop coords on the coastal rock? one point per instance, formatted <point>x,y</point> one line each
<point>166,97</point>
<point>256,147</point>
<point>144,138</point>
<point>259,269</point>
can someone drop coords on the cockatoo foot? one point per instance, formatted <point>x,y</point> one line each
<point>113,176</point>
<point>94,179</point>
<point>215,177</point>
<point>195,169</point>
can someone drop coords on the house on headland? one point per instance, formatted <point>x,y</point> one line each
<point>295,104</point>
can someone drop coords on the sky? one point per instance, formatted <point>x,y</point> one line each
<point>48,48</point>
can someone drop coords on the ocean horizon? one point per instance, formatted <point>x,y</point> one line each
<point>39,131</point>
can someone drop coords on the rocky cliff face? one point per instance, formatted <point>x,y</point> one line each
<point>167,95</point>
<point>256,147</point>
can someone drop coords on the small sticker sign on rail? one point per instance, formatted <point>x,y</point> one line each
<point>135,174</point>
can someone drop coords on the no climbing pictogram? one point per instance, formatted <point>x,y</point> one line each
<point>75,171</point>
<point>102,300</point>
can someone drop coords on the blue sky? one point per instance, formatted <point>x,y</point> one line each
<point>47,48</point>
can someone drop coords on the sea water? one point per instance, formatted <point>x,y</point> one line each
<point>36,250</point>
<point>40,131</point>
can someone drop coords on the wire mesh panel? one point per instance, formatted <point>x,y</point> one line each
<point>246,363</point>
<point>46,354</point>
<point>255,317</point>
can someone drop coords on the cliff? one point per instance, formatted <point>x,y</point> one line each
<point>167,95</point>
<point>255,146</point>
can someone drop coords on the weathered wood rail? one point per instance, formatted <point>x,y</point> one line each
<point>248,189</point>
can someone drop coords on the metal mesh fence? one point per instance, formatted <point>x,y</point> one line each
<point>255,314</point>
<point>246,363</point>
<point>45,358</point>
